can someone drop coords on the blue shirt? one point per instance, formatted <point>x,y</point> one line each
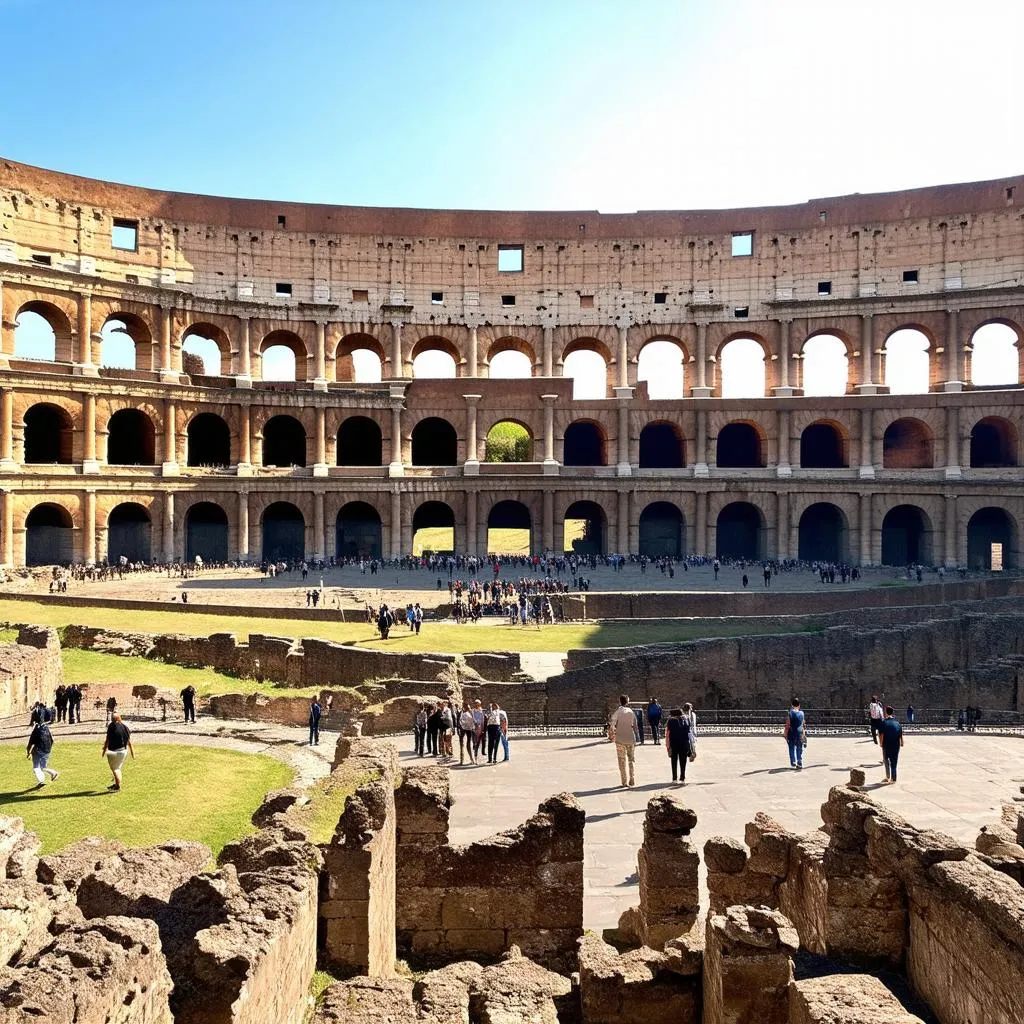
<point>796,723</point>
<point>891,731</point>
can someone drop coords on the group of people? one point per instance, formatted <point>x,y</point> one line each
<point>67,703</point>
<point>480,730</point>
<point>679,735</point>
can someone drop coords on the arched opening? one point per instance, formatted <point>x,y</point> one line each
<point>48,434</point>
<point>206,532</point>
<point>823,534</point>
<point>360,442</point>
<point>129,530</point>
<point>584,444</point>
<point>510,364</point>
<point>49,536</point>
<point>434,359</point>
<point>584,528</point>
<point>907,370</point>
<point>359,358</point>
<point>826,366</point>
<point>660,363</point>
<point>740,532</point>
<point>739,447</point>
<point>131,439</point>
<point>661,530</point>
<point>991,540</point>
<point>434,443</point>
<point>117,345</point>
<point>822,446</point>
<point>589,372</point>
<point>209,345</point>
<point>995,358</point>
<point>284,442</point>
<point>209,441</point>
<point>509,529</point>
<point>742,368</point>
<point>508,441</point>
<point>907,444</point>
<point>358,531</point>
<point>993,443</point>
<point>906,537</point>
<point>661,447</point>
<point>433,529</point>
<point>284,533</point>
<point>42,332</point>
<point>282,357</point>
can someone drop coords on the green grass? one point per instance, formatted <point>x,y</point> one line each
<point>170,792</point>
<point>327,798</point>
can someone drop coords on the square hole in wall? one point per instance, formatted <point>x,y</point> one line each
<point>824,287</point>
<point>910,277</point>
<point>42,259</point>
<point>282,220</point>
<point>660,298</point>
<point>508,300</point>
<point>510,259</point>
<point>360,295</point>
<point>586,302</point>
<point>125,235</point>
<point>131,278</point>
<point>437,298</point>
<point>741,312</point>
<point>282,288</point>
<point>743,243</point>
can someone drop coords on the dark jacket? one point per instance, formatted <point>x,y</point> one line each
<point>41,738</point>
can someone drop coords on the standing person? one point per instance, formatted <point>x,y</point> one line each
<point>795,734</point>
<point>74,704</point>
<point>677,742</point>
<point>622,732</point>
<point>466,730</point>
<point>691,716</point>
<point>654,718</point>
<point>640,725</point>
<point>188,698</point>
<point>40,714</point>
<point>891,734</point>
<point>875,716</point>
<point>117,745</point>
<point>315,711</point>
<point>40,744</point>
<point>419,729</point>
<point>479,728</point>
<point>61,701</point>
<point>433,728</point>
<point>446,730</point>
<point>910,714</point>
<point>493,733</point>
<point>503,722</point>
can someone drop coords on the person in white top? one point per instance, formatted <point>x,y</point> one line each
<point>622,732</point>
<point>876,713</point>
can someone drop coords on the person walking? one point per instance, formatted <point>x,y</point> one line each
<point>622,732</point>
<point>117,745</point>
<point>315,711</point>
<point>795,734</point>
<point>188,698</point>
<point>639,712</point>
<point>875,716</point>
<point>891,735</point>
<point>677,742</point>
<point>654,718</point>
<point>40,745</point>
<point>493,733</point>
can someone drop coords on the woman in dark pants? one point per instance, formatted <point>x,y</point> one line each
<point>493,734</point>
<point>677,742</point>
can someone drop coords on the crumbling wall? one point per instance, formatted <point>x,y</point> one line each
<point>30,670</point>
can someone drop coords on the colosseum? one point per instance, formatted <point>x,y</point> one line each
<point>186,375</point>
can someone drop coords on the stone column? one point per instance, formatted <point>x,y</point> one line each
<point>865,530</point>
<point>950,554</point>
<point>783,390</point>
<point>89,528</point>
<point>471,545</point>
<point>90,464</point>
<point>623,396</point>
<point>170,465</point>
<point>395,536</point>
<point>700,466</point>
<point>168,526</point>
<point>474,355</point>
<point>623,358</point>
<point>243,379</point>
<point>701,390</point>
<point>7,463</point>
<point>244,441</point>
<point>84,365</point>
<point>243,525</point>
<point>320,466</point>
<point>397,369</point>
<point>318,524</point>
<point>700,540</point>
<point>472,464</point>
<point>867,467</point>
<point>783,543</point>
<point>548,520</point>
<point>320,358</point>
<point>953,469</point>
<point>6,334</point>
<point>548,363</point>
<point>550,465</point>
<point>954,353</point>
<point>397,467</point>
<point>167,371</point>
<point>783,466</point>
<point>622,524</point>
<point>868,385</point>
<point>7,535</point>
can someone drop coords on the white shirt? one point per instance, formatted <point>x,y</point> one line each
<point>875,711</point>
<point>623,725</point>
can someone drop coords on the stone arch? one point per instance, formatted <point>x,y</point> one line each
<point>740,532</point>
<point>283,529</point>
<point>824,445</point>
<point>126,342</point>
<point>907,536</point>
<point>995,353</point>
<point>741,445</point>
<point>585,528</point>
<point>274,364</point>
<point>508,440</point>
<point>358,531</point>
<point>825,365</point>
<point>661,362</point>
<point>206,532</point>
<point>743,360</point>
<point>514,521</point>
<point>435,442</point>
<point>587,362</point>
<point>662,446</point>
<point>427,365</point>
<point>994,443</point>
<point>354,359</point>
<point>360,442</point>
<point>129,533</point>
<point>907,353</point>
<point>823,534</point>
<point>209,441</point>
<point>433,528</point>
<point>988,527</point>
<point>45,333</point>
<point>131,439</point>
<point>585,444</point>
<point>908,443</point>
<point>284,442</point>
<point>49,434</point>
<point>209,343</point>
<point>516,358</point>
<point>49,535</point>
<point>662,529</point>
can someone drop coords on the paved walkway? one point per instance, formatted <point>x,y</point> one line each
<point>954,783</point>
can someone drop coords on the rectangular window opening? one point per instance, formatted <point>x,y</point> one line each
<point>437,298</point>
<point>42,259</point>
<point>282,288</point>
<point>131,278</point>
<point>743,243</point>
<point>282,220</point>
<point>508,300</point>
<point>1009,196</point>
<point>660,298</point>
<point>125,235</point>
<point>586,302</point>
<point>360,295</point>
<point>510,259</point>
<point>823,216</point>
<point>997,556</point>
<point>824,287</point>
<point>910,277</point>
<point>741,312</point>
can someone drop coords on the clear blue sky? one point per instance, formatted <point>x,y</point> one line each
<point>535,104</point>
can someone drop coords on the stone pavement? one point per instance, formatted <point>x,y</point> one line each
<point>951,782</point>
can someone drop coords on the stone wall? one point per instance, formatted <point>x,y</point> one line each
<point>30,669</point>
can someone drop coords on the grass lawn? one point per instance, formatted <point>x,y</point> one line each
<point>170,792</point>
<point>441,636</point>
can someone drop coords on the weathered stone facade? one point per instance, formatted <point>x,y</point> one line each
<point>30,669</point>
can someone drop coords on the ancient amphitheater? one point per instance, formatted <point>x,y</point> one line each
<point>783,382</point>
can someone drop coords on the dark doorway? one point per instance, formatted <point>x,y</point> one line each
<point>206,532</point>
<point>509,529</point>
<point>661,447</point>
<point>991,540</point>
<point>49,536</point>
<point>822,447</point>
<point>360,442</point>
<point>434,443</point>
<point>209,441</point>
<point>584,445</point>
<point>358,531</point>
<point>661,530</point>
<point>906,537</point>
<point>284,533</point>
<point>128,533</point>
<point>48,435</point>
<point>584,528</point>
<point>131,439</point>
<point>993,444</point>
<point>739,533</point>
<point>822,534</point>
<point>433,529</point>
<point>739,447</point>
<point>284,442</point>
<point>907,444</point>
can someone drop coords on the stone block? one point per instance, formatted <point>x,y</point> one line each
<point>725,855</point>
<point>846,999</point>
<point>667,813</point>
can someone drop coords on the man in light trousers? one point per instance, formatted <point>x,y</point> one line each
<point>622,731</point>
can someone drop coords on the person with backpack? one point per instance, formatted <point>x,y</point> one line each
<point>794,733</point>
<point>40,745</point>
<point>677,742</point>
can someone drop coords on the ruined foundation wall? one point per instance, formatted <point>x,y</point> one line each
<point>30,670</point>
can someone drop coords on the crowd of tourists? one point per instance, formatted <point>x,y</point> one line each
<point>481,732</point>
